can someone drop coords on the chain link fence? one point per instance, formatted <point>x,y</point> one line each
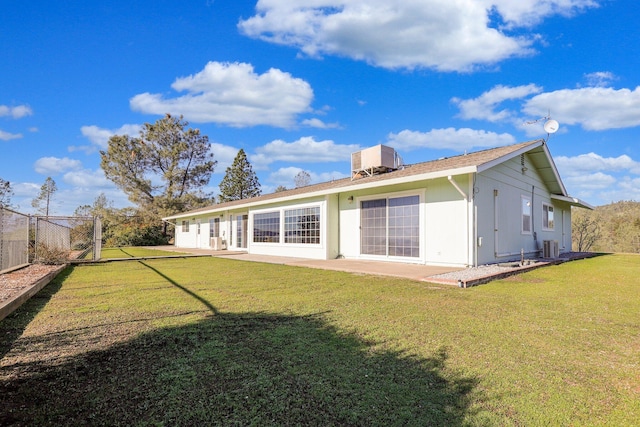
<point>14,239</point>
<point>26,239</point>
<point>65,239</point>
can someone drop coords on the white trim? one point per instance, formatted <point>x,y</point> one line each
<point>530,204</point>
<point>420,259</point>
<point>545,216</point>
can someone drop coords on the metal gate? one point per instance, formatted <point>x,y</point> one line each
<point>61,239</point>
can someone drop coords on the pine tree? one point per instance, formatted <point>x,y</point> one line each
<point>42,202</point>
<point>240,181</point>
<point>5,193</point>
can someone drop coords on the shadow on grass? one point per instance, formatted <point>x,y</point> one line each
<point>182,288</point>
<point>14,325</point>
<point>239,369</point>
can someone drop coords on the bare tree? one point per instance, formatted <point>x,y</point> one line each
<point>585,231</point>
<point>302,179</point>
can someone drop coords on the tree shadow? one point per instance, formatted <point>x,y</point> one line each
<point>233,369</point>
<point>14,324</point>
<point>240,369</point>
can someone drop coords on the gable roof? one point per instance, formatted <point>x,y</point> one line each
<point>456,165</point>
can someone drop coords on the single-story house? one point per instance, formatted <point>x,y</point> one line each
<point>484,207</point>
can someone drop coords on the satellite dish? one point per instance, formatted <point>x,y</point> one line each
<point>551,126</point>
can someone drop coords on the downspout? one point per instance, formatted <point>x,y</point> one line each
<point>339,221</point>
<point>466,199</point>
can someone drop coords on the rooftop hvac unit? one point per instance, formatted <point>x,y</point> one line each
<point>378,159</point>
<point>550,249</point>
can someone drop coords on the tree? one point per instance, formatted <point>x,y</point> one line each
<point>585,230</point>
<point>280,188</point>
<point>43,201</point>
<point>240,181</point>
<point>165,169</point>
<point>302,179</point>
<point>5,193</point>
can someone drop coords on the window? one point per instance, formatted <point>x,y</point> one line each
<point>373,220</point>
<point>526,215</point>
<point>266,227</point>
<point>547,217</point>
<point>404,226</point>
<point>390,226</point>
<point>185,226</point>
<point>214,227</point>
<point>302,225</point>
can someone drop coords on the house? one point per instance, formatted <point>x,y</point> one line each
<point>489,206</point>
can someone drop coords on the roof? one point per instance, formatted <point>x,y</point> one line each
<point>456,165</point>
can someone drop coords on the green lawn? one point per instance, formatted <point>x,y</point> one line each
<point>209,341</point>
<point>133,252</point>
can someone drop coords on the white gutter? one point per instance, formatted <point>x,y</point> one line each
<point>334,190</point>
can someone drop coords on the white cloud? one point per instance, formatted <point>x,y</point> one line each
<point>600,180</point>
<point>99,137</point>
<point>317,123</point>
<point>594,108</point>
<point>87,179</point>
<point>233,94</point>
<point>449,138</point>
<point>286,176</point>
<point>55,165</point>
<point>592,162</point>
<point>224,155</point>
<point>445,35</point>
<point>15,112</point>
<point>599,78</point>
<point>6,136</point>
<point>590,182</point>
<point>483,107</point>
<point>304,150</point>
<point>525,13</point>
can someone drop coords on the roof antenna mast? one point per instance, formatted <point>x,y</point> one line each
<point>550,126</point>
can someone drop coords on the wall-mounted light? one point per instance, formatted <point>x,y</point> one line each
<point>350,199</point>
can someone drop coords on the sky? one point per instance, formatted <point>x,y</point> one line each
<point>299,85</point>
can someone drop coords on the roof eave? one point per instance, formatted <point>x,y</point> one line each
<point>355,187</point>
<point>573,201</point>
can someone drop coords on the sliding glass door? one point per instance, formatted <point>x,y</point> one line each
<point>390,227</point>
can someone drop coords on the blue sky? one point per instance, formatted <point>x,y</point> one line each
<point>301,84</point>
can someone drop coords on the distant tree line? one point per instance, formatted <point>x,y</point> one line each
<point>609,228</point>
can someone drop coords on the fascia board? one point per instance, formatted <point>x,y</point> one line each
<point>353,187</point>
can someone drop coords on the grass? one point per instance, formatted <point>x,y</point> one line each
<point>133,252</point>
<point>209,341</point>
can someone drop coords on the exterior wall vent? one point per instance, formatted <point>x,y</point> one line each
<point>374,160</point>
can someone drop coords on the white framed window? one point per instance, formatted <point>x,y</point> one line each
<point>390,226</point>
<point>266,227</point>
<point>547,217</point>
<point>302,225</point>
<point>526,214</point>
<point>185,226</point>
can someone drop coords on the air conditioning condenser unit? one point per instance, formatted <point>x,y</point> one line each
<point>550,249</point>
